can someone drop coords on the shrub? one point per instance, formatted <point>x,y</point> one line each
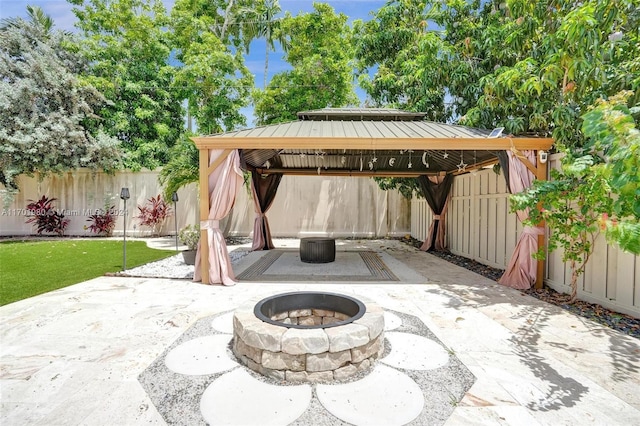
<point>45,218</point>
<point>153,213</point>
<point>102,222</point>
<point>190,235</point>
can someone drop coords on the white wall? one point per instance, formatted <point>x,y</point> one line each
<point>304,205</point>
<point>81,192</point>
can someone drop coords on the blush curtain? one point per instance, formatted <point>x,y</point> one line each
<point>436,190</point>
<point>224,183</point>
<point>522,269</point>
<point>264,188</point>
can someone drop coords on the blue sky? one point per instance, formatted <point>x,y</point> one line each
<point>64,19</point>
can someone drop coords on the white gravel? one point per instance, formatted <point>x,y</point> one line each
<point>174,267</point>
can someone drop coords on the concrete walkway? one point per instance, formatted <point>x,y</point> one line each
<point>75,356</point>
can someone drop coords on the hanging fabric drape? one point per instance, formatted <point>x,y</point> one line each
<point>503,158</point>
<point>436,190</point>
<point>264,188</point>
<point>522,269</point>
<point>224,183</point>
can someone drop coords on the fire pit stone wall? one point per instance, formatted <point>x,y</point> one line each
<point>308,355</point>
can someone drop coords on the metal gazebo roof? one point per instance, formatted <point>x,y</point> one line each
<point>366,142</point>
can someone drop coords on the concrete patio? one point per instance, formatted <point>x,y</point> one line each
<point>74,356</point>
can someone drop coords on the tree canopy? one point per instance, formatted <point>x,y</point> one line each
<point>319,50</point>
<point>533,68</point>
<point>45,106</point>
<point>212,75</point>
<point>128,48</point>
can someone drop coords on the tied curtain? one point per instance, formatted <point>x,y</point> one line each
<point>436,190</point>
<point>522,269</point>
<point>224,182</point>
<point>264,188</point>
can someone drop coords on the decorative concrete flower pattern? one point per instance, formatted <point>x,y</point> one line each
<point>223,392</point>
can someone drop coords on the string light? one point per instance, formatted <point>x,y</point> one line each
<point>475,161</point>
<point>462,166</point>
<point>425,161</point>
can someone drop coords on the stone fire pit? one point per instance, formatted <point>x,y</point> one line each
<point>308,336</point>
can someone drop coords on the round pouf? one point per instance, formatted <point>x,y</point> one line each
<point>317,250</point>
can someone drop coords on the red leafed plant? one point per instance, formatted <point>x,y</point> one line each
<point>45,218</point>
<point>102,222</point>
<point>153,213</point>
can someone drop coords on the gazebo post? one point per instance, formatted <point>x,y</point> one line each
<point>541,174</point>
<point>204,213</point>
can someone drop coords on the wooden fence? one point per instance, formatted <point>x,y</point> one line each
<point>480,227</point>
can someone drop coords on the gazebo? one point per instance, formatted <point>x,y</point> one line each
<point>359,142</point>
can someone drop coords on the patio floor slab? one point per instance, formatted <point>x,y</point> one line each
<point>73,356</point>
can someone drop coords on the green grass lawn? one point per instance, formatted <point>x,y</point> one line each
<point>29,268</point>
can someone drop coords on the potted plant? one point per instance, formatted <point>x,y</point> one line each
<point>190,236</point>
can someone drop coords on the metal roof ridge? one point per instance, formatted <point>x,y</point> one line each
<point>246,129</point>
<point>292,124</point>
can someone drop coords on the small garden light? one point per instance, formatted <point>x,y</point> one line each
<point>124,195</point>
<point>174,198</point>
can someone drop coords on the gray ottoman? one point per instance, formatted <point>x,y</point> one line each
<point>317,250</point>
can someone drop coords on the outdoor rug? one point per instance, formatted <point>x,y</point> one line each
<point>285,265</point>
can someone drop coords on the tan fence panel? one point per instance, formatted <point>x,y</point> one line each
<point>327,206</point>
<point>479,224</point>
<point>421,218</point>
<point>480,227</point>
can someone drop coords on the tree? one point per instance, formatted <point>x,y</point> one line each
<point>212,75</point>
<point>182,169</point>
<point>319,50</point>
<point>44,106</point>
<point>614,139</point>
<point>568,56</point>
<point>570,204</point>
<point>129,50</point>
<point>593,192</point>
<point>534,68</point>
<point>531,67</point>
<point>387,46</point>
<point>428,56</point>
<point>261,22</point>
